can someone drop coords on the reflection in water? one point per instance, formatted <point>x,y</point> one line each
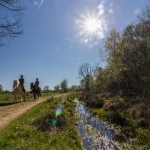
<point>95,135</point>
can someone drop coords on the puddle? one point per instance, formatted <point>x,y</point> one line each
<point>95,135</point>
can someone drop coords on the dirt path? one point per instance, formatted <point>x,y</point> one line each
<point>11,112</point>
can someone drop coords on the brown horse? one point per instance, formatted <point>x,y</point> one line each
<point>36,91</point>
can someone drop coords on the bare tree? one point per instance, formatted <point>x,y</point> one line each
<point>86,73</point>
<point>85,69</point>
<point>10,26</point>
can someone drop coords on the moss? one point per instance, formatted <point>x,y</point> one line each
<point>100,113</point>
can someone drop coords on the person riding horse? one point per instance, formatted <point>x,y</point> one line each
<point>19,90</point>
<point>35,90</point>
<point>35,86</point>
<point>21,80</point>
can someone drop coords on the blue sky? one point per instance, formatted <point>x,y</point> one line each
<point>56,39</point>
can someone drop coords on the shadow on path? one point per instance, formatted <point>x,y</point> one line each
<point>7,104</point>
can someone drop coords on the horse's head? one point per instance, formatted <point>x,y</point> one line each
<point>15,84</point>
<point>31,85</point>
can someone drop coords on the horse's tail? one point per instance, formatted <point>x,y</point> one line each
<point>39,90</point>
<point>26,91</point>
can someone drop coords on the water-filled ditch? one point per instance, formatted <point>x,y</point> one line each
<point>95,135</point>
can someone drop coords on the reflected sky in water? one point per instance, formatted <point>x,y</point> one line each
<point>94,133</point>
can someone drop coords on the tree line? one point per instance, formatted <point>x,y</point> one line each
<point>127,54</point>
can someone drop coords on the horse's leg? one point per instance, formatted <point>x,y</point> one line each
<point>14,97</point>
<point>37,95</point>
<point>21,99</point>
<point>24,97</point>
<point>27,94</point>
<point>34,96</point>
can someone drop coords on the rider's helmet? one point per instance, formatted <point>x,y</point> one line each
<point>36,78</point>
<point>21,75</point>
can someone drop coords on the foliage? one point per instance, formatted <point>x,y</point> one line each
<point>56,88</point>
<point>1,88</point>
<point>124,83</point>
<point>128,59</point>
<point>64,85</point>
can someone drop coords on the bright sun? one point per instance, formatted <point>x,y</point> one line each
<point>92,25</point>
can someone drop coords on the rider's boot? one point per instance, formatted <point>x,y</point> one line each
<point>23,90</point>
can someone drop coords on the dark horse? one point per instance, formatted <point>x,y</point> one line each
<point>36,91</point>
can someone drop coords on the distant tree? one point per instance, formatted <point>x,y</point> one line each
<point>1,88</point>
<point>46,88</point>
<point>11,13</point>
<point>56,88</point>
<point>79,89</point>
<point>6,91</point>
<point>86,73</point>
<point>64,85</point>
<point>73,87</point>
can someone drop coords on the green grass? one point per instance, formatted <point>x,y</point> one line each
<point>6,99</point>
<point>25,133</point>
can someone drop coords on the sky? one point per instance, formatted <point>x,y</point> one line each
<point>59,36</point>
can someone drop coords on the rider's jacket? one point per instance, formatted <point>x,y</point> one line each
<point>37,83</point>
<point>21,80</point>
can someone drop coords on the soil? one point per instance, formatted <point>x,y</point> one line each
<point>11,112</point>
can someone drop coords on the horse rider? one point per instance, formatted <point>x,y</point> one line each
<point>37,82</point>
<point>21,80</point>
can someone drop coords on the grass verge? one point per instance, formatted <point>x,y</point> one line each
<point>34,130</point>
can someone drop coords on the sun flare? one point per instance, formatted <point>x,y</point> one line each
<point>92,25</point>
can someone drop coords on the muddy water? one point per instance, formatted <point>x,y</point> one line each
<point>95,134</point>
